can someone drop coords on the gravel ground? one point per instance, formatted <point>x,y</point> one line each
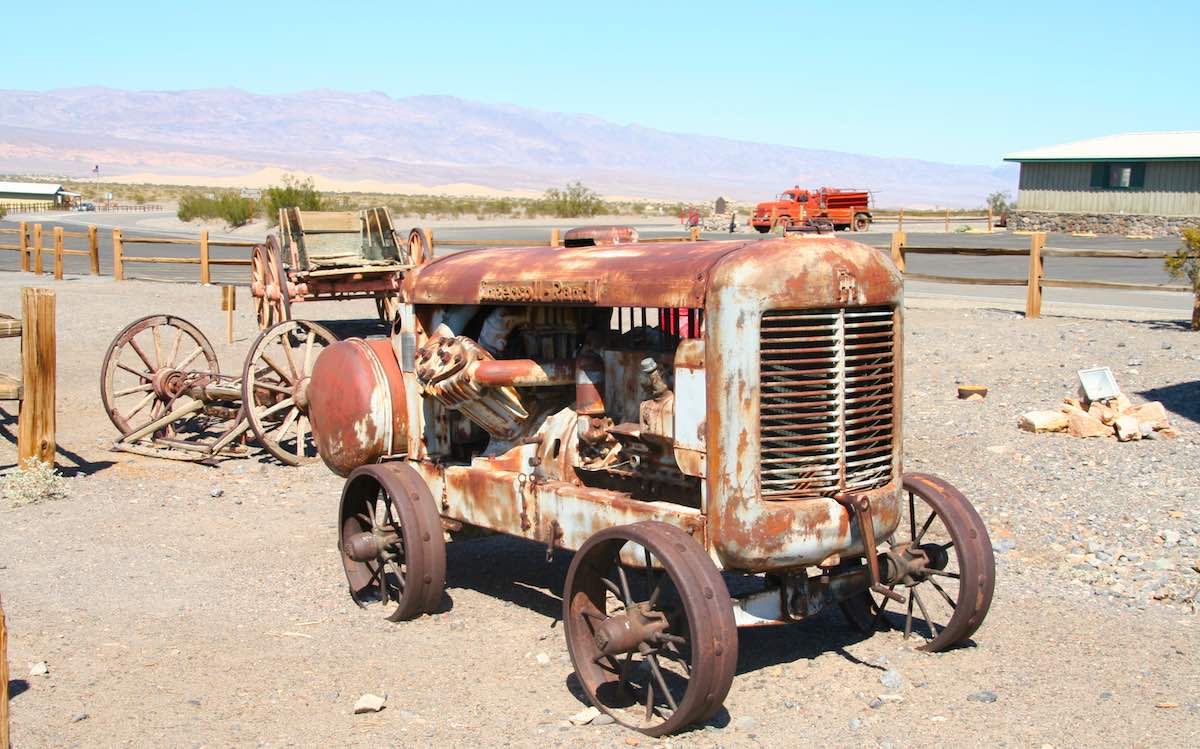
<point>166,615</point>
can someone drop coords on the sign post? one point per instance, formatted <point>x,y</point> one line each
<point>228,305</point>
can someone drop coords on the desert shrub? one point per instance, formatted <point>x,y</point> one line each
<point>36,482</point>
<point>1185,263</point>
<point>293,193</point>
<point>3,211</point>
<point>573,201</point>
<point>1000,202</point>
<point>230,207</point>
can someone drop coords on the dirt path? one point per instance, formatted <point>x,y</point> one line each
<point>172,617</point>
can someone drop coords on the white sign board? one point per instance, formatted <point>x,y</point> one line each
<point>251,193</point>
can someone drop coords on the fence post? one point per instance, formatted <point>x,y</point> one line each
<point>898,250</point>
<point>947,220</point>
<point>36,423</point>
<point>555,238</point>
<point>23,244</point>
<point>1037,271</point>
<point>901,221</point>
<point>990,220</point>
<point>695,233</point>
<point>204,257</point>
<point>118,265</point>
<point>37,249</point>
<point>4,741</point>
<point>58,253</point>
<point>94,250</point>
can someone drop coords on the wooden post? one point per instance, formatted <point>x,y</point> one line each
<point>947,220</point>
<point>555,238</point>
<point>432,251</point>
<point>1037,271</point>
<point>901,221</point>
<point>990,220</point>
<point>228,305</point>
<point>36,423</point>
<point>118,266</point>
<point>58,253</point>
<point>204,261</point>
<point>94,250</point>
<point>695,233</point>
<point>898,239</point>
<point>4,740</point>
<point>37,249</point>
<point>23,243</point>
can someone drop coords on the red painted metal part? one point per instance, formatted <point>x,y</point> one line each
<point>524,373</point>
<point>356,403</point>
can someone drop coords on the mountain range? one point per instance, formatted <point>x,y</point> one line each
<point>434,144</point>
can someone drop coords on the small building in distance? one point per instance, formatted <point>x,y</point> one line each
<point>34,196</point>
<point>1130,184</point>
<point>719,206</point>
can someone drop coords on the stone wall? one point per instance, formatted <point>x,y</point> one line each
<point>1123,224</point>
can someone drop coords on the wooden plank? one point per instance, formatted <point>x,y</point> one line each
<point>204,277</point>
<point>555,238</point>
<point>160,240</point>
<point>229,261</point>
<point>23,241</point>
<point>495,243</point>
<point>8,230</point>
<point>167,260</point>
<point>94,250</point>
<point>10,388</point>
<point>10,328</point>
<point>975,251</point>
<point>38,375</point>
<point>37,249</point>
<point>1037,271</point>
<point>58,253</point>
<point>1066,283</point>
<point>80,253</point>
<point>232,243</point>
<point>5,743</point>
<point>1136,254</point>
<point>13,247</point>
<point>76,234</point>
<point>965,280</point>
<point>898,249</point>
<point>118,251</point>
<point>330,221</point>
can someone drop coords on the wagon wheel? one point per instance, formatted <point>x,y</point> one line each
<point>275,387</point>
<point>147,368</point>
<point>654,647</point>
<point>951,592</point>
<point>386,306</point>
<point>268,275</point>
<point>861,222</point>
<point>391,541</point>
<point>419,249</point>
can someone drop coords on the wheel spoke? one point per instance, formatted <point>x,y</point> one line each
<point>924,612</point>
<point>612,587</point>
<point>135,389</point>
<point>945,596</point>
<point>301,433</point>
<point>624,586</point>
<point>908,619</point>
<point>142,355</point>
<point>942,573</point>
<point>649,698</point>
<point>286,424</point>
<point>287,353</point>
<point>912,518</point>
<point>880,607</point>
<point>142,404</point>
<point>175,347</point>
<point>157,346</point>
<point>662,683</point>
<point>308,349</point>
<point>190,357</point>
<point>928,522</point>
<point>132,371</point>
<point>280,370</point>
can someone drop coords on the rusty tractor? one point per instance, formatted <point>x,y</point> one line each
<point>689,419</point>
<point>162,388</point>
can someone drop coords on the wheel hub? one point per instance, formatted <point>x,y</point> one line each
<point>625,633</point>
<point>906,565</point>
<point>169,383</point>
<point>364,547</point>
<point>300,394</point>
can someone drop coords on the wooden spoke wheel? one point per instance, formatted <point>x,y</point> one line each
<point>419,249</point>
<point>386,306</point>
<point>649,625</point>
<point>149,368</point>
<point>944,567</point>
<point>391,542</point>
<point>269,284</point>
<point>275,387</point>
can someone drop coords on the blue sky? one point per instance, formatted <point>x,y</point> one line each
<point>958,82</point>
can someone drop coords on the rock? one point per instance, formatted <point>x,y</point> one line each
<point>369,703</point>
<point>745,723</point>
<point>604,719</point>
<point>1074,403</point>
<point>216,492</point>
<point>1169,433</point>
<point>585,716</point>
<point>1043,421</point>
<point>1080,424</point>
<point>1152,412</point>
<point>982,696</point>
<point>1170,537</point>
<point>1166,346</point>
<point>855,724</point>
<point>875,704</point>
<point>891,679</point>
<point>542,659</point>
<point>1128,428</point>
<point>78,717</point>
<point>1147,430</point>
<point>1003,545</point>
<point>1102,412</point>
<point>39,669</point>
<point>1120,403</point>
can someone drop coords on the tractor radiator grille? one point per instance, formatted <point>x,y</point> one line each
<point>826,391</point>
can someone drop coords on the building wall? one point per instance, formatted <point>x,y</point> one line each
<point>1172,188</point>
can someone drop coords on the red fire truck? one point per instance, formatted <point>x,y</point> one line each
<point>844,209</point>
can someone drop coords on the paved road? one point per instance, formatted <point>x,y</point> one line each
<point>1128,270</point>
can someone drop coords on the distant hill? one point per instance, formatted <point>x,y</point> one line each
<point>436,140</point>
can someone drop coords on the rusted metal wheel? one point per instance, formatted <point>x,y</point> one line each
<point>275,387</point>
<point>649,626</point>
<point>419,250</point>
<point>391,541</point>
<point>269,284</point>
<point>148,368</point>
<point>941,558</point>
<point>862,222</point>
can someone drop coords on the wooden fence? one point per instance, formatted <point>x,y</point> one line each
<point>554,240</point>
<point>202,243</point>
<point>31,243</point>
<point>1035,280</point>
<point>946,219</point>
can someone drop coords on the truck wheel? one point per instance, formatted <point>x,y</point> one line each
<point>862,222</point>
<point>391,541</point>
<point>649,626</point>
<point>783,222</point>
<point>762,229</point>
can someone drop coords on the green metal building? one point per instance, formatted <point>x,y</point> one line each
<point>1136,183</point>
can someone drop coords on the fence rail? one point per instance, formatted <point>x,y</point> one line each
<point>31,245</point>
<point>203,243</point>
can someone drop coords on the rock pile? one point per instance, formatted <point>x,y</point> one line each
<point>1115,417</point>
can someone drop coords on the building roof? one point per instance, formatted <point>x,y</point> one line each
<point>31,188</point>
<point>1179,144</point>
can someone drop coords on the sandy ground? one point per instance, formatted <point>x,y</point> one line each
<point>169,616</point>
